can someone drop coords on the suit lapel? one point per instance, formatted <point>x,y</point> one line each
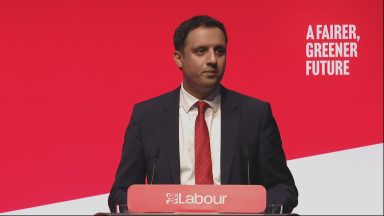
<point>229,125</point>
<point>171,134</point>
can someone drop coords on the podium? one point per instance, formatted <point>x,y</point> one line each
<point>195,200</point>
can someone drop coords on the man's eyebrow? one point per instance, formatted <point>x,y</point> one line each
<point>206,47</point>
<point>200,46</point>
<point>221,46</point>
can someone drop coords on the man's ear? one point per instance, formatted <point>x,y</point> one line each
<point>178,58</point>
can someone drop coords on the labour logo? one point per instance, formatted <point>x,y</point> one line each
<point>171,198</point>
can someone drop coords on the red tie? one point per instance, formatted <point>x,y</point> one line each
<point>203,164</point>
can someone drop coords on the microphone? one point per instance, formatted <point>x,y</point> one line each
<point>247,156</point>
<point>154,163</point>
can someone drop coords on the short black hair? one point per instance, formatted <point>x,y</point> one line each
<point>187,26</point>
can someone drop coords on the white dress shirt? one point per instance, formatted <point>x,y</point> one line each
<point>187,116</point>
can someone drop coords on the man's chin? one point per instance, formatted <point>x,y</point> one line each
<point>210,86</point>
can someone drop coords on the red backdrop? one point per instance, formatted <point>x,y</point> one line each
<point>70,72</point>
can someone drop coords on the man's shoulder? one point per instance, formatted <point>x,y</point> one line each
<point>242,100</point>
<point>249,107</point>
<point>166,99</point>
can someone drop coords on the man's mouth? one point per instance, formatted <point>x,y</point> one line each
<point>210,71</point>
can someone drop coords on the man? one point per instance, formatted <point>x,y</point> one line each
<point>203,133</point>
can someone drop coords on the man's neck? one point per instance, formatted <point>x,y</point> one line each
<point>201,95</point>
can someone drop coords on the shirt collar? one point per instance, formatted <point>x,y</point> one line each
<point>187,101</point>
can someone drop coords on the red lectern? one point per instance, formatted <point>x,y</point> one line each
<point>192,200</point>
<point>196,198</point>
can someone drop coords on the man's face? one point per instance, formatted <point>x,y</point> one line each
<point>202,60</point>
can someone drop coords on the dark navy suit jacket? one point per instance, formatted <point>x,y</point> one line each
<point>249,137</point>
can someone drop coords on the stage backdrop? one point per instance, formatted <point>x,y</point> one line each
<point>70,72</point>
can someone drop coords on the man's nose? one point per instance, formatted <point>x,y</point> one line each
<point>211,57</point>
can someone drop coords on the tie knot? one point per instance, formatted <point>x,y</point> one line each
<point>202,106</point>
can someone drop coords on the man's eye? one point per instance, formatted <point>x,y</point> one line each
<point>200,51</point>
<point>220,51</point>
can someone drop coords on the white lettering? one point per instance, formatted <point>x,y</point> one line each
<point>310,33</point>
<point>195,199</point>
<point>335,32</point>
<point>327,67</point>
<point>331,49</point>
